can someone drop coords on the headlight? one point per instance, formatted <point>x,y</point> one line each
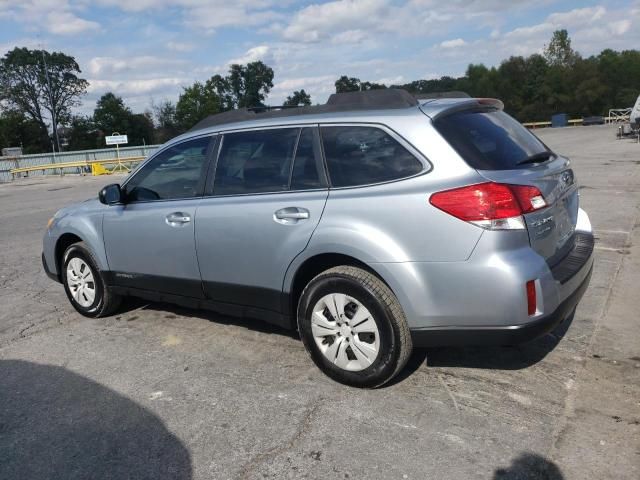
<point>50,222</point>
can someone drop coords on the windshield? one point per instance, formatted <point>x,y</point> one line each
<point>491,139</point>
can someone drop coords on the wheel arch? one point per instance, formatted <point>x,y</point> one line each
<point>64,242</point>
<point>308,268</point>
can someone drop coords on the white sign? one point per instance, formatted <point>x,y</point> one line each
<point>116,139</point>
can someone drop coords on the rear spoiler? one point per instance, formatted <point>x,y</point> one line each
<point>441,108</point>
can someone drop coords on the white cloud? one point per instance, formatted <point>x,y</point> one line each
<point>455,43</point>
<point>370,18</point>
<point>180,46</point>
<point>620,27</point>
<point>320,87</point>
<point>107,67</point>
<point>66,23</point>
<point>349,36</point>
<point>55,17</point>
<point>578,16</point>
<point>261,52</point>
<point>317,22</point>
<point>207,15</point>
<point>398,79</point>
<point>133,87</point>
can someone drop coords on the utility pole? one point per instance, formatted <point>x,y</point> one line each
<point>54,120</point>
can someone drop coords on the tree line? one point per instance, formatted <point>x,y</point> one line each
<point>534,88</point>
<point>39,90</point>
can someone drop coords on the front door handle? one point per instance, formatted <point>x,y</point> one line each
<point>178,219</point>
<point>291,215</point>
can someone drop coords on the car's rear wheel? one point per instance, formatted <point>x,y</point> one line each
<point>84,285</point>
<point>352,325</point>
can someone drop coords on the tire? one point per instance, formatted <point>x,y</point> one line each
<point>95,300</point>
<point>362,348</point>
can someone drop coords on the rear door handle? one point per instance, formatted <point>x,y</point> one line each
<point>290,215</point>
<point>178,219</point>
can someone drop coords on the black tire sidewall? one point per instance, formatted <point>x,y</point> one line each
<point>95,309</point>
<point>385,364</point>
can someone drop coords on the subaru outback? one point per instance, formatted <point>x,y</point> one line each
<point>372,224</point>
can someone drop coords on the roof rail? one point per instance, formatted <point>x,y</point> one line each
<point>270,108</point>
<point>338,102</point>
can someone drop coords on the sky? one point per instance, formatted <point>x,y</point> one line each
<point>148,50</point>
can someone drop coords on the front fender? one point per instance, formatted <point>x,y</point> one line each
<point>86,224</point>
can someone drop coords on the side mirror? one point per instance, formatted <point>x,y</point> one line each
<point>111,194</point>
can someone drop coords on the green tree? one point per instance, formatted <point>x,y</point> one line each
<point>41,84</point>
<point>371,86</point>
<point>221,87</point>
<point>299,97</point>
<point>18,130</point>
<point>141,131</point>
<point>249,84</point>
<point>111,115</point>
<point>347,84</point>
<point>559,52</point>
<point>83,134</point>
<point>196,103</point>
<point>166,124</point>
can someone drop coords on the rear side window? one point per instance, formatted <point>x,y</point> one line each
<point>490,140</point>
<point>365,155</point>
<point>255,161</point>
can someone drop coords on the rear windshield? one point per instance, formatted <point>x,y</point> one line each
<point>491,139</point>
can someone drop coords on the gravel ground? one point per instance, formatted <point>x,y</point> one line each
<point>163,392</point>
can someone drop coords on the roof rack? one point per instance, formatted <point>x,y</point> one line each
<point>382,99</point>
<point>435,95</point>
<point>375,99</point>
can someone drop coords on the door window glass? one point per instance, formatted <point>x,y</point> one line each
<point>255,161</point>
<point>177,172</point>
<point>308,171</point>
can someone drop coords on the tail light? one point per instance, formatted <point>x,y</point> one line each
<point>494,206</point>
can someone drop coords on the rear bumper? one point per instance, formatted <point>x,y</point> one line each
<point>483,300</point>
<point>500,335</point>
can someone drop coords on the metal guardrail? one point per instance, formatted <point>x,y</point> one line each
<point>92,164</point>
<point>33,160</point>
<point>575,121</point>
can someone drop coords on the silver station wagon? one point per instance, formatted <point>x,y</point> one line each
<point>372,224</point>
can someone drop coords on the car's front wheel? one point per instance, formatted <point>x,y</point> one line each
<point>84,285</point>
<point>353,326</point>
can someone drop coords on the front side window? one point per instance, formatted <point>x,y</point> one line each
<point>177,172</point>
<point>255,161</point>
<point>365,155</point>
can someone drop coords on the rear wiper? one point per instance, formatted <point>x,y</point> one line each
<point>537,158</point>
